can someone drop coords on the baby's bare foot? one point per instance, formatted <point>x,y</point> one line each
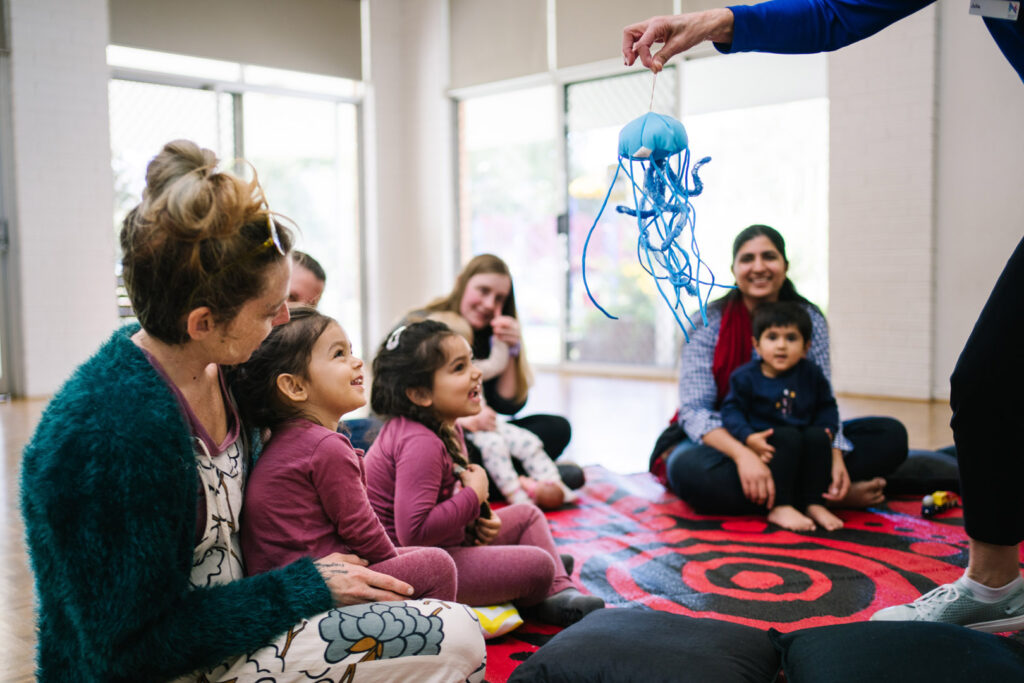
<point>548,495</point>
<point>788,517</point>
<point>823,516</point>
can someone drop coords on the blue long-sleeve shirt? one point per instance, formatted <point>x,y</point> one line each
<point>799,397</point>
<point>809,26</point>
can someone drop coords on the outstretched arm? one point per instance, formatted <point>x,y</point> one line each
<point>779,26</point>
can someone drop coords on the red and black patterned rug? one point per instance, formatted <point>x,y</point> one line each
<point>637,545</point>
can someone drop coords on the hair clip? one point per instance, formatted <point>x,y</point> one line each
<point>392,342</point>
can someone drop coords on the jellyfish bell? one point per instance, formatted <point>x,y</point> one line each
<point>652,136</point>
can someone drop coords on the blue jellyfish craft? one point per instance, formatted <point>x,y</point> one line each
<point>654,154</point>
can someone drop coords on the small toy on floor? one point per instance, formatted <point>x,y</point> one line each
<point>937,502</point>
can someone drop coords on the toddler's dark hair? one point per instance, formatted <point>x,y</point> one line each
<point>782,314</point>
<point>286,350</point>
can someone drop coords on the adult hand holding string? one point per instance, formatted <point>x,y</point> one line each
<point>678,33</point>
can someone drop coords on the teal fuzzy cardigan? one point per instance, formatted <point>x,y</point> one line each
<point>108,494</point>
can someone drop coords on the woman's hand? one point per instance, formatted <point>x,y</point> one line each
<point>475,477</point>
<point>678,33</point>
<point>487,528</point>
<point>484,421</point>
<point>353,584</point>
<point>758,442</point>
<point>840,478</point>
<point>755,478</point>
<point>506,328</point>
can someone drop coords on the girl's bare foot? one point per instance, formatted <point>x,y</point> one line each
<point>864,494</point>
<point>788,517</point>
<point>823,516</point>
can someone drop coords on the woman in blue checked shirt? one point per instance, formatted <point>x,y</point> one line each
<point>710,469</point>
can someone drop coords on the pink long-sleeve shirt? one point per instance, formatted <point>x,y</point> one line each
<point>306,497</point>
<point>413,488</point>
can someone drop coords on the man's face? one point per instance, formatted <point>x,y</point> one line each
<point>304,287</point>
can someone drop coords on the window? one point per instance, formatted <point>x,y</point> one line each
<point>303,145</point>
<point>766,130</point>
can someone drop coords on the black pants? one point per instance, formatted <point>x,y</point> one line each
<point>988,406</point>
<point>707,479</point>
<point>801,466</point>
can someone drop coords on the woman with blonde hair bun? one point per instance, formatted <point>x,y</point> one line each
<point>132,485</point>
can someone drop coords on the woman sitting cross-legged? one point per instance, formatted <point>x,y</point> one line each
<point>709,468</point>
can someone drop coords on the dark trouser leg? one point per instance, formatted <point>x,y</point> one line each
<point>785,464</point>
<point>988,403</point>
<point>707,479</point>
<point>554,431</point>
<point>879,446</point>
<point>815,465</point>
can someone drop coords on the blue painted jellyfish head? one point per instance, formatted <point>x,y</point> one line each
<point>652,136</point>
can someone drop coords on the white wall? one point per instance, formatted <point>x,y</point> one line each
<point>979,187</point>
<point>925,197</point>
<point>882,139</point>
<point>61,211</point>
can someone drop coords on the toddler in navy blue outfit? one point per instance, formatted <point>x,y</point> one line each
<point>781,406</point>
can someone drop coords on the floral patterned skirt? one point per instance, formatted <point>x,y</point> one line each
<point>416,640</point>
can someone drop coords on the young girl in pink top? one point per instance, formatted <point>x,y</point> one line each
<point>426,493</point>
<point>306,496</point>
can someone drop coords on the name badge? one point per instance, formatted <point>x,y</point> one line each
<point>997,9</point>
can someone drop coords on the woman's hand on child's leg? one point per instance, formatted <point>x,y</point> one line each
<point>354,584</point>
<point>840,485</point>
<point>756,479</point>
<point>487,528</point>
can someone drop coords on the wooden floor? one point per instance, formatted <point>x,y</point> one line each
<point>615,422</point>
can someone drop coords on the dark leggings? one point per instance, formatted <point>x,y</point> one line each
<point>987,402</point>
<point>801,466</point>
<point>707,479</point>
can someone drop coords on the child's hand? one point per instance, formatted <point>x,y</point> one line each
<point>487,528</point>
<point>475,477</point>
<point>758,442</point>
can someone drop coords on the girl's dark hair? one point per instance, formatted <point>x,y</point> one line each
<point>286,350</point>
<point>199,237</point>
<point>407,360</point>
<point>788,291</point>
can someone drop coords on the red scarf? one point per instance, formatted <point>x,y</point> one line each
<point>733,348</point>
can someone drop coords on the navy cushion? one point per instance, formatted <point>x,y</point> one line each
<point>617,645</point>
<point>926,472</point>
<point>897,651</point>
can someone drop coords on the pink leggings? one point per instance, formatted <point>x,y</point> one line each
<point>520,565</point>
<point>430,571</point>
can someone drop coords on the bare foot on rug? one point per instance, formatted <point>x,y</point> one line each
<point>823,516</point>
<point>863,494</point>
<point>788,517</point>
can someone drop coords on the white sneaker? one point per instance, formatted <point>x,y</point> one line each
<point>954,603</point>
